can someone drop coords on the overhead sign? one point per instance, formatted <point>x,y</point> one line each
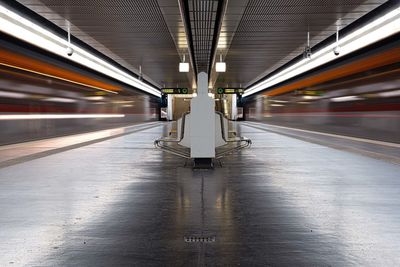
<point>175,90</point>
<point>221,90</point>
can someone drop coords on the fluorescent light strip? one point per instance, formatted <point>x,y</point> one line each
<point>379,29</point>
<point>22,28</point>
<point>58,116</point>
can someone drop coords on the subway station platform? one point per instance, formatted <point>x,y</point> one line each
<point>121,202</point>
<point>199,133</point>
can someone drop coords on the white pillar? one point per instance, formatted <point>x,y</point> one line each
<point>170,111</point>
<point>234,107</point>
<point>202,121</point>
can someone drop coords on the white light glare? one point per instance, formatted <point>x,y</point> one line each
<point>390,93</point>
<point>379,29</point>
<point>277,105</point>
<point>280,101</point>
<point>310,97</point>
<point>58,116</point>
<point>94,98</point>
<point>346,98</point>
<point>60,99</point>
<point>15,25</point>
<point>13,95</point>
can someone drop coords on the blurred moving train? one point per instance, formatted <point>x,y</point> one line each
<point>43,96</point>
<point>358,96</point>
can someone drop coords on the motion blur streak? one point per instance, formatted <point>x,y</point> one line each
<point>360,98</point>
<point>22,28</point>
<point>379,29</point>
<point>42,97</point>
<point>364,64</point>
<point>14,60</point>
<point>58,116</point>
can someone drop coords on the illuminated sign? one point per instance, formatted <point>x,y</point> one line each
<point>174,90</point>
<point>167,90</point>
<point>221,90</point>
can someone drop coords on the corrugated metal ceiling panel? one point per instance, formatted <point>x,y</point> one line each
<point>273,32</point>
<point>132,32</point>
<point>256,37</point>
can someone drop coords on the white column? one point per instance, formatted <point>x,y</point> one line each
<point>202,121</point>
<point>234,107</point>
<point>170,111</point>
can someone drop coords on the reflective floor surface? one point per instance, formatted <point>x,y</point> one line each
<point>121,202</point>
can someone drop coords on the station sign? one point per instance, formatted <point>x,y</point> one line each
<point>221,90</point>
<point>174,90</point>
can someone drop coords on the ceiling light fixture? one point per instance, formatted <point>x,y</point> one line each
<point>378,29</point>
<point>22,28</point>
<point>307,49</point>
<point>183,66</point>
<point>70,50</point>
<point>336,50</point>
<point>220,66</point>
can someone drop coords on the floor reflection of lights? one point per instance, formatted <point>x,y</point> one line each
<point>342,197</point>
<point>72,205</point>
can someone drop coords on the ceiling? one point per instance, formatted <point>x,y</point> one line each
<point>204,18</point>
<point>273,32</point>
<point>134,33</point>
<point>254,37</point>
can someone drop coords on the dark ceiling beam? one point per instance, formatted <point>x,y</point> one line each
<point>184,9</point>
<point>217,29</point>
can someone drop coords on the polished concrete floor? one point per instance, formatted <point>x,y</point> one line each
<point>121,202</point>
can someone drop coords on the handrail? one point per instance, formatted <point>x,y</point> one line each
<point>160,142</point>
<point>163,139</point>
<point>225,138</point>
<point>243,142</point>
